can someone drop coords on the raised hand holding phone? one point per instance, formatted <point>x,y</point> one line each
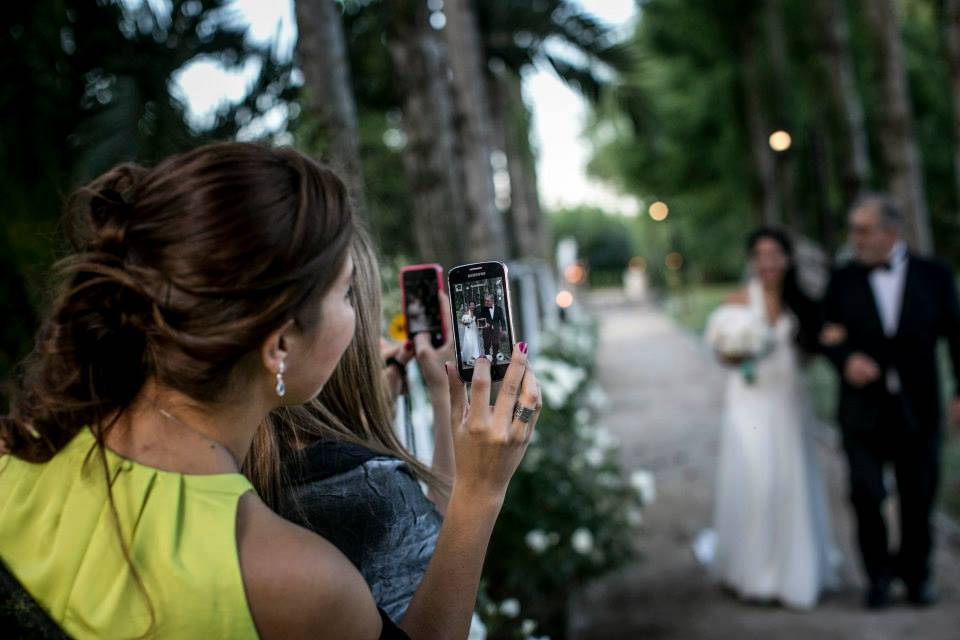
<point>490,441</point>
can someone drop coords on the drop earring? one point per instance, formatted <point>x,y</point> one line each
<point>281,385</point>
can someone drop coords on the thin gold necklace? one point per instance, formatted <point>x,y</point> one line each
<point>166,414</point>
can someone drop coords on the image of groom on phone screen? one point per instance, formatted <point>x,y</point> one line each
<point>493,324</point>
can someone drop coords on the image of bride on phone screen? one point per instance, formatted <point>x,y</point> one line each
<point>470,347</point>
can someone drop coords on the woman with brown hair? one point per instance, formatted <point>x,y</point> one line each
<point>346,475</point>
<point>200,296</point>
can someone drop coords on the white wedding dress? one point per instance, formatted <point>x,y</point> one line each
<point>772,538</point>
<point>470,347</point>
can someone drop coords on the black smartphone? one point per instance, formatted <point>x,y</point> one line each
<point>480,306</point>
<point>420,286</point>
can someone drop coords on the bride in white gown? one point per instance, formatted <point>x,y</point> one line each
<point>470,347</point>
<point>772,539</point>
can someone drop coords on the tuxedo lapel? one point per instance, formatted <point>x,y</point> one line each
<point>872,317</point>
<point>910,290</point>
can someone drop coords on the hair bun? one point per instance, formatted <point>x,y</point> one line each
<point>102,209</point>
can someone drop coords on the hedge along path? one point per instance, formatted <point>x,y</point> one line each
<point>666,397</point>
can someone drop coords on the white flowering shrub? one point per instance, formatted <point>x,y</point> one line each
<point>572,513</point>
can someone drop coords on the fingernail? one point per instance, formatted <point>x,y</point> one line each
<point>523,347</point>
<point>408,346</point>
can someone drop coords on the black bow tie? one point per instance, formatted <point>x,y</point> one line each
<point>883,266</point>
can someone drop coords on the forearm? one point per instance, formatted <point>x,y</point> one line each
<point>443,605</point>
<point>443,463</point>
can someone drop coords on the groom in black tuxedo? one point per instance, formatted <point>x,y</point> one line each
<point>884,316</point>
<point>493,323</point>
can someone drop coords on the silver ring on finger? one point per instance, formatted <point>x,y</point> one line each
<point>523,414</point>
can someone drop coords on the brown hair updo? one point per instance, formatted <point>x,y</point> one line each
<point>177,274</point>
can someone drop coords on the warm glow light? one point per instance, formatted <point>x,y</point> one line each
<point>659,211</point>
<point>780,140</point>
<point>575,274</point>
<point>674,261</point>
<point>638,263</point>
<point>564,299</point>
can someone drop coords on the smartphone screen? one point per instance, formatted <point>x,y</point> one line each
<point>480,301</point>
<point>421,301</point>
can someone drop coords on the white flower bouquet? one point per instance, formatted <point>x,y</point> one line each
<point>739,336</point>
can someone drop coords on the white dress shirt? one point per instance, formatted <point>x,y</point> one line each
<point>888,286</point>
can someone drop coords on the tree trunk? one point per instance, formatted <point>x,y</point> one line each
<point>834,50</point>
<point>784,162</point>
<point>819,158</point>
<point>464,49</point>
<point>897,142</point>
<point>758,128</point>
<point>322,55</point>
<point>952,28</point>
<point>529,227</point>
<point>429,155</point>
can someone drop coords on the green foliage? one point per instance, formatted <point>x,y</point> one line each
<point>675,129</point>
<point>556,33</point>
<point>605,241</point>
<point>570,514</point>
<point>88,85</point>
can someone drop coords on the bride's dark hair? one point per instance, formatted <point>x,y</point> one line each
<point>805,308</point>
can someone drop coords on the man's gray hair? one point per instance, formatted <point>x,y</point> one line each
<point>891,215</point>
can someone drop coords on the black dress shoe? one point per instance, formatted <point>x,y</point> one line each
<point>878,596</point>
<point>922,595</point>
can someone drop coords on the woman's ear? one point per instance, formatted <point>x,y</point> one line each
<point>275,348</point>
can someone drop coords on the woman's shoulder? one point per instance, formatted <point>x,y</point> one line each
<point>360,486</point>
<point>297,583</point>
<point>327,458</point>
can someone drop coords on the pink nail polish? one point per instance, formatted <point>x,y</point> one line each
<point>523,347</point>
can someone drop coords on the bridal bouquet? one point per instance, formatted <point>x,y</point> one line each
<point>466,318</point>
<point>739,336</point>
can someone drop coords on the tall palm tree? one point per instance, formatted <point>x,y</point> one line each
<point>898,143</point>
<point>430,156</point>
<point>952,28</point>
<point>91,84</point>
<point>485,231</point>
<point>830,18</point>
<point>529,33</point>
<point>322,55</point>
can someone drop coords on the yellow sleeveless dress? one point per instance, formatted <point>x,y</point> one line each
<point>61,541</point>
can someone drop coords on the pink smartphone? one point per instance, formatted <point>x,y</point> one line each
<point>420,287</point>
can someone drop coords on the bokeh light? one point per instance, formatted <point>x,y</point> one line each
<point>673,261</point>
<point>575,273</point>
<point>564,299</point>
<point>659,211</point>
<point>780,140</point>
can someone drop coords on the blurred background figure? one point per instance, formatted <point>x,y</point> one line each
<point>886,314</point>
<point>773,540</point>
